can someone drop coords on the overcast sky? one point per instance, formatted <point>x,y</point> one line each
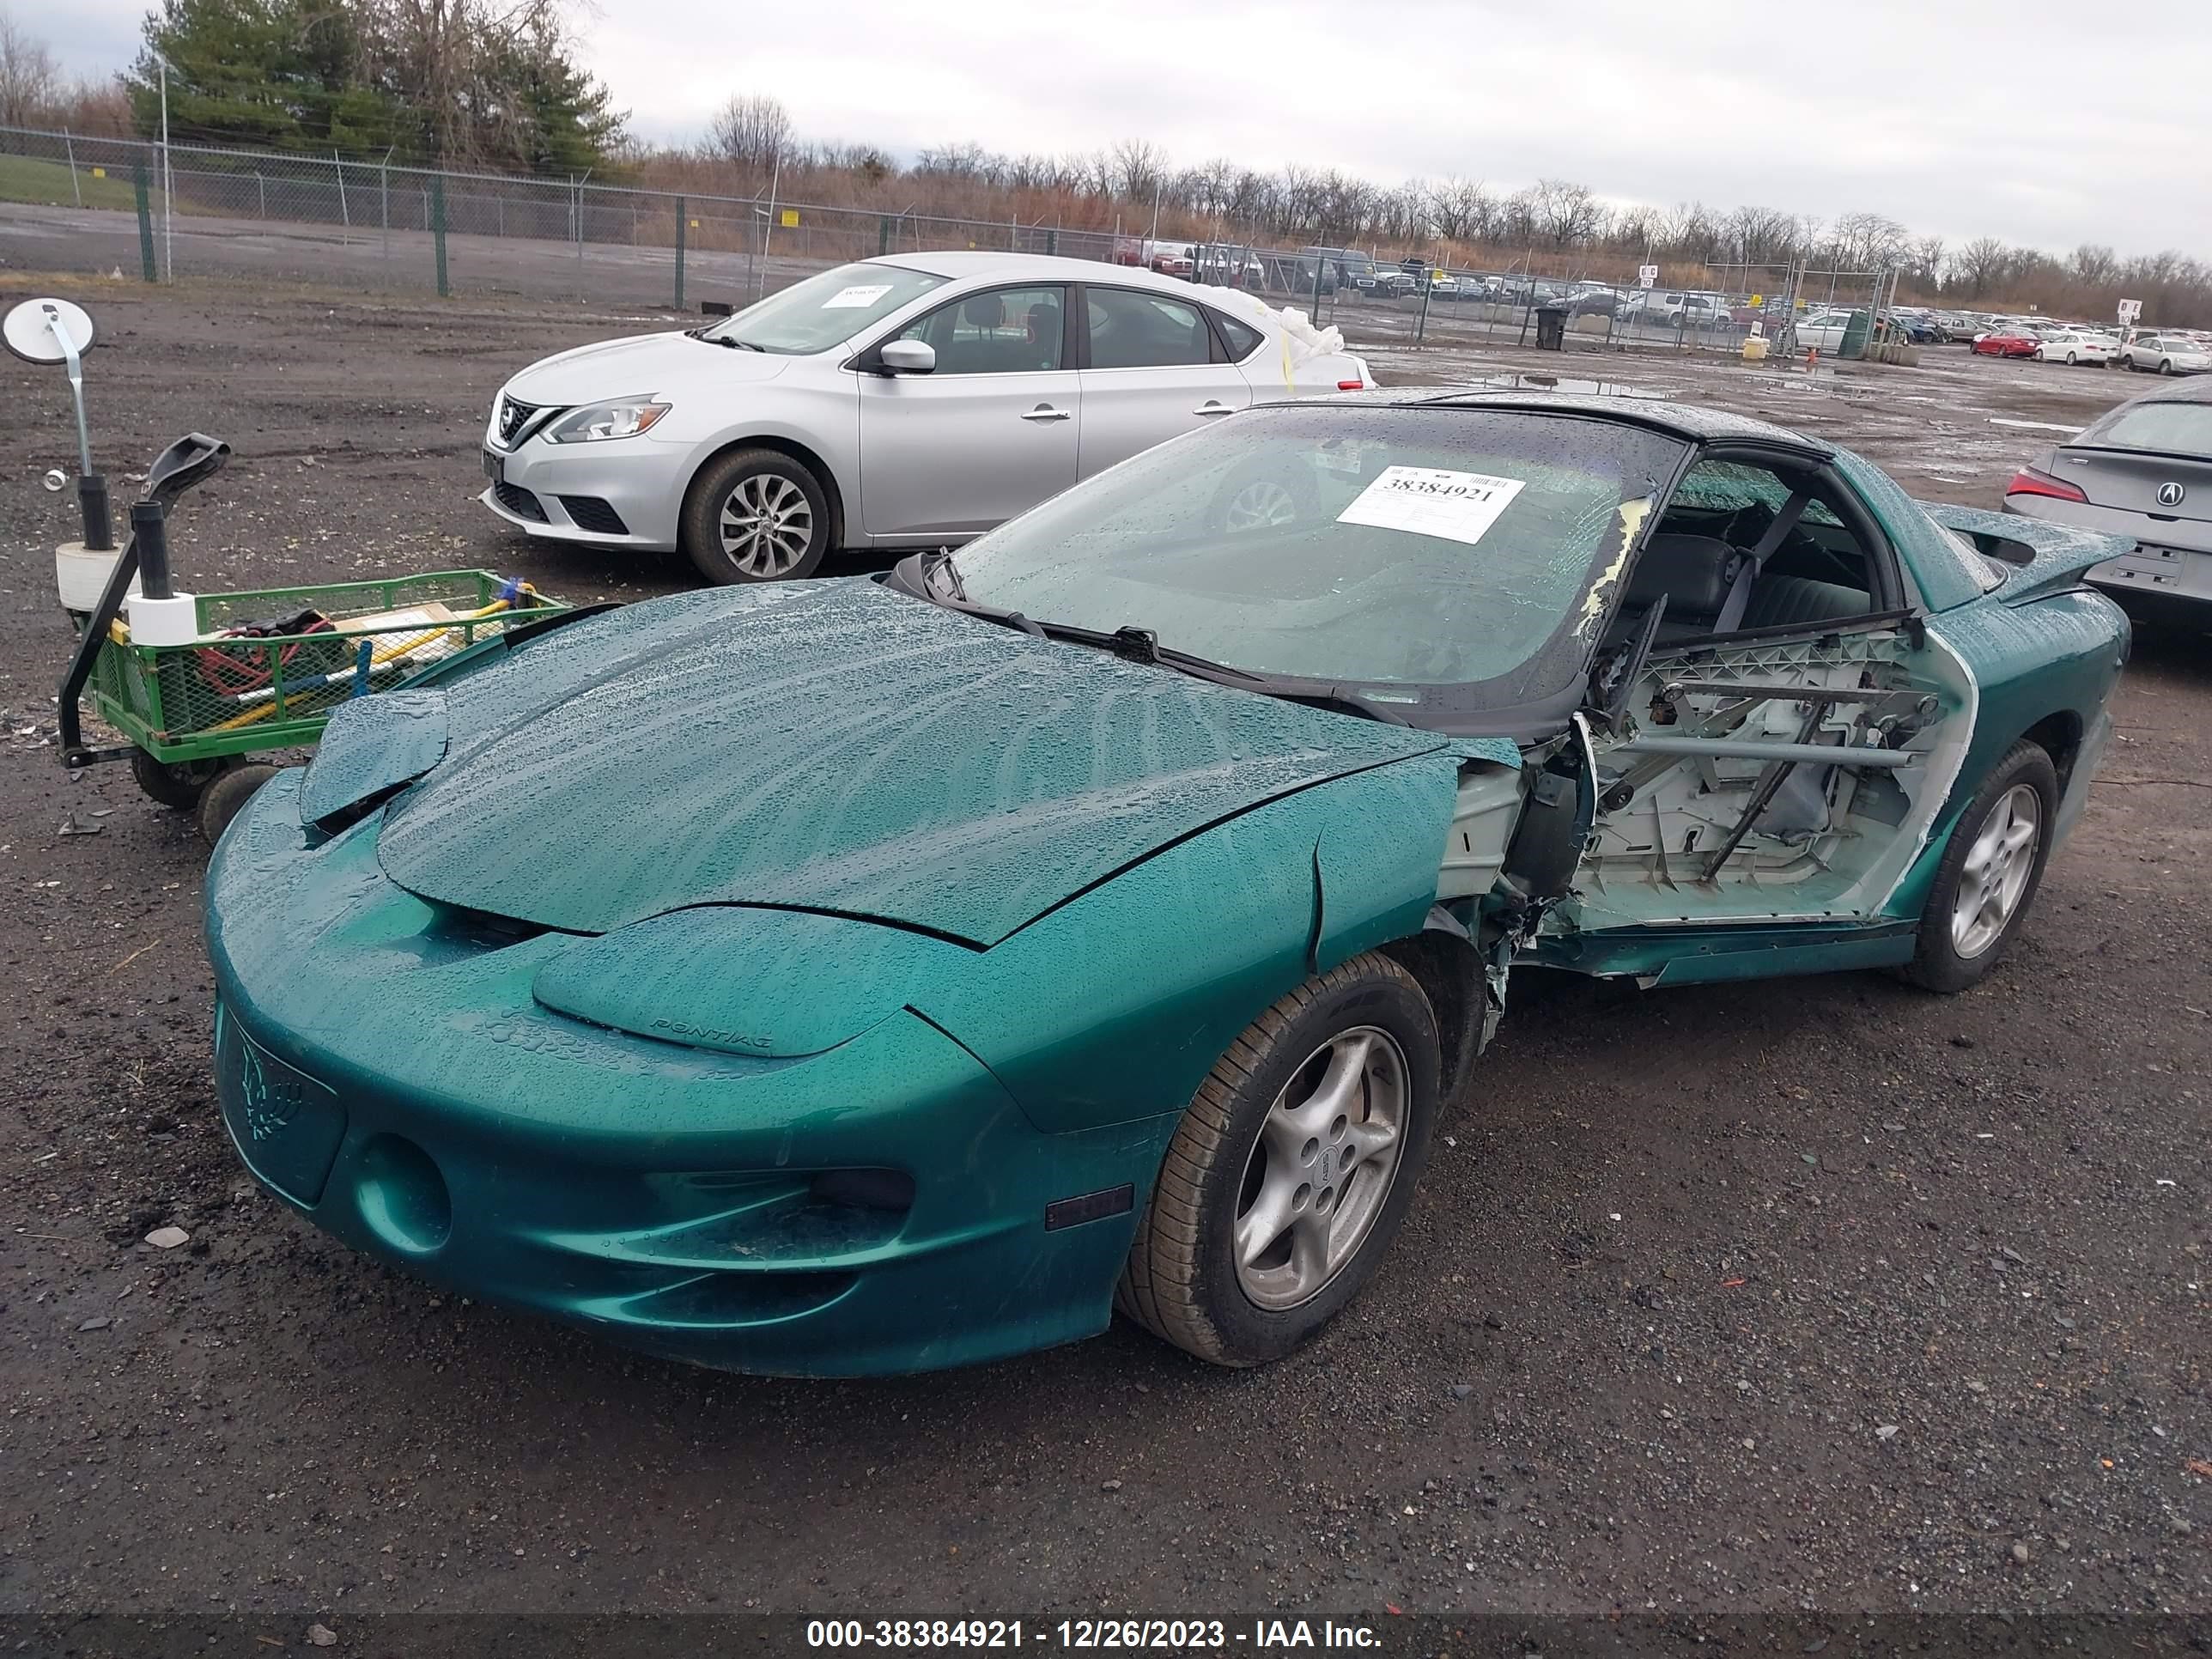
<point>1959,118</point>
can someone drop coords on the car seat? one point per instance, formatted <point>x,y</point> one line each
<point>1695,574</point>
<point>1045,327</point>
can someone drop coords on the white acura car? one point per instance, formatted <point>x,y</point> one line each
<point>909,401</point>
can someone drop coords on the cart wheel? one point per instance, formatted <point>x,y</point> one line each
<point>175,783</point>
<point>221,800</point>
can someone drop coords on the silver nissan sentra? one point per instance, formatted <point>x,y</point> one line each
<point>911,401</point>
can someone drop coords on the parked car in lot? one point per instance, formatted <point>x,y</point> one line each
<point>1824,331</point>
<point>1347,270</point>
<point>2007,340</point>
<point>871,975</point>
<point>2142,471</point>
<point>2075,345</point>
<point>2166,353</point>
<point>915,400</point>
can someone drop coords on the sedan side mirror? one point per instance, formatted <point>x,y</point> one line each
<point>906,356</point>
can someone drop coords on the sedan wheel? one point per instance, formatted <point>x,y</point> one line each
<point>2070,360</point>
<point>1261,505</point>
<point>1292,1171</point>
<point>756,515</point>
<point>1989,872</point>
<point>1996,871</point>
<point>1321,1168</point>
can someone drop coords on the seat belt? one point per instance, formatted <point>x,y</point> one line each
<point>1739,593</point>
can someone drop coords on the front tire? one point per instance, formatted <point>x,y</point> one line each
<point>2165,365</point>
<point>1291,1170</point>
<point>223,798</point>
<point>756,515</point>
<point>1989,874</point>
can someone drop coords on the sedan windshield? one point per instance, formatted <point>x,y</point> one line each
<point>823,311</point>
<point>1411,547</point>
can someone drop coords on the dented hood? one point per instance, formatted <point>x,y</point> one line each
<point>834,746</point>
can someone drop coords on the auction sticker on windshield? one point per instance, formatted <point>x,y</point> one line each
<point>862,294</point>
<point>1432,501</point>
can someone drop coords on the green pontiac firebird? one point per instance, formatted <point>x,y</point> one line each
<point>871,974</point>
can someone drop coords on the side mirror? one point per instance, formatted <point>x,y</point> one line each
<point>906,356</point>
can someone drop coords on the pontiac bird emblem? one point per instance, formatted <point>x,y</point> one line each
<point>269,1106</point>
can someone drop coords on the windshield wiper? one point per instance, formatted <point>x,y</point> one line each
<point>933,576</point>
<point>734,345</point>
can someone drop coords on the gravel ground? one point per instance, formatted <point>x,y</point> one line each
<point>1807,1296</point>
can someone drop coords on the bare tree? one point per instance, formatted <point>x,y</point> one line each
<point>1980,264</point>
<point>1137,167</point>
<point>30,81</point>
<point>2093,263</point>
<point>1925,261</point>
<point>752,131</point>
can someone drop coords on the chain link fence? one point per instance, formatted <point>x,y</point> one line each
<point>133,206</point>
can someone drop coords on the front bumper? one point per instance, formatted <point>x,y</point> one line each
<point>879,1207</point>
<point>642,481</point>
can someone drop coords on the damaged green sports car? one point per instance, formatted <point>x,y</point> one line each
<point>871,975</point>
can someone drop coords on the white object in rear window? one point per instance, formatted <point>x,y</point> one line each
<point>1429,501</point>
<point>861,295</point>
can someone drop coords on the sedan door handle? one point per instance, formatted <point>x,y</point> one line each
<point>1213,406</point>
<point>1046,412</point>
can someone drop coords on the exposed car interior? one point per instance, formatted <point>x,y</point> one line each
<point>1743,546</point>
<point>1710,800</point>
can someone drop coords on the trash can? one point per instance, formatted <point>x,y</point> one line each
<point>1551,328</point>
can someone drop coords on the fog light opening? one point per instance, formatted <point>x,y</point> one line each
<point>402,1197</point>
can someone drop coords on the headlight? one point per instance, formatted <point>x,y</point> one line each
<point>622,417</point>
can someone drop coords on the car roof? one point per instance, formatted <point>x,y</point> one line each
<point>1691,423</point>
<point>2181,391</point>
<point>960,265</point>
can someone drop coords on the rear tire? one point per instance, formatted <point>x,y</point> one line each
<point>1960,942</point>
<point>1362,1038</point>
<point>756,515</point>
<point>179,784</point>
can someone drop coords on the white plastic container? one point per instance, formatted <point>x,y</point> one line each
<point>81,575</point>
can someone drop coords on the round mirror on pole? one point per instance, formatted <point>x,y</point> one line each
<point>47,330</point>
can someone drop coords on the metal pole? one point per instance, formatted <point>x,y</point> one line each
<point>261,184</point>
<point>438,228</point>
<point>145,218</point>
<point>682,224</point>
<point>169,190</point>
<point>579,233</point>
<point>768,234</point>
<point>75,188</point>
<point>345,213</point>
<point>383,191</point>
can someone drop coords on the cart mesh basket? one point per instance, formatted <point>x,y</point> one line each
<point>271,665</point>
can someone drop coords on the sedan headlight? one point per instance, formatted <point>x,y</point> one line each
<point>620,417</point>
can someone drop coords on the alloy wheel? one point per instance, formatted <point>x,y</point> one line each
<point>1261,505</point>
<point>1998,867</point>
<point>767,525</point>
<point>1322,1168</point>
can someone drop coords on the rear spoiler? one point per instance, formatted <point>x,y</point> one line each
<point>2045,558</point>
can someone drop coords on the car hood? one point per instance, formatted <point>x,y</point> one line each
<point>830,746</point>
<point>638,364</point>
